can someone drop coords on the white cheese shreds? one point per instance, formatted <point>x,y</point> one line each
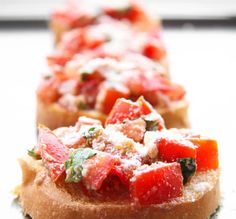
<point>150,142</point>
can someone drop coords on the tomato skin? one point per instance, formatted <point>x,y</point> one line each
<point>53,152</point>
<point>171,150</point>
<point>157,183</point>
<point>207,154</point>
<point>97,169</point>
<point>123,109</point>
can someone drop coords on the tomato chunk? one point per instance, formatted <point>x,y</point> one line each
<point>48,90</point>
<point>146,107</point>
<point>108,95</point>
<point>96,170</point>
<point>207,154</point>
<point>170,150</point>
<point>58,58</point>
<point>123,109</point>
<point>157,183</point>
<point>53,152</point>
<point>132,12</point>
<point>123,175</point>
<point>154,49</point>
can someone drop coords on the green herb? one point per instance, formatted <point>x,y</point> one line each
<point>151,125</point>
<point>91,134</point>
<point>84,76</point>
<point>33,154</point>
<point>188,167</point>
<point>74,165</point>
<point>82,105</point>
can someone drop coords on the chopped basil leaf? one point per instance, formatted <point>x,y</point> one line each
<point>33,154</point>
<point>151,125</point>
<point>74,165</point>
<point>84,76</point>
<point>91,134</point>
<point>188,167</point>
<point>82,105</point>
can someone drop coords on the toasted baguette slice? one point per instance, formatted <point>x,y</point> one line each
<point>54,116</point>
<point>146,23</point>
<point>43,199</point>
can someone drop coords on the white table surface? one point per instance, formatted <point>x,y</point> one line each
<point>202,60</point>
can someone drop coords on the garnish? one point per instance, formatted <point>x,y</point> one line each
<point>82,105</point>
<point>188,167</point>
<point>84,76</point>
<point>151,125</point>
<point>74,165</point>
<point>91,134</point>
<point>33,154</point>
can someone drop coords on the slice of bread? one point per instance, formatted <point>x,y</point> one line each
<point>54,116</point>
<point>43,199</point>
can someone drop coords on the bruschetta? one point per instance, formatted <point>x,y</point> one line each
<point>133,167</point>
<point>76,15</point>
<point>90,86</point>
<point>109,38</point>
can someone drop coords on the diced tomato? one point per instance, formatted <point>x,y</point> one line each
<point>90,90</point>
<point>157,183</point>
<point>131,12</point>
<point>145,106</point>
<point>207,154</point>
<point>122,175</point>
<point>176,92</point>
<point>170,150</point>
<point>123,109</point>
<point>96,75</point>
<point>48,90</point>
<point>72,41</point>
<point>73,15</point>
<point>52,151</point>
<point>97,169</point>
<point>154,49</point>
<point>108,95</point>
<point>59,58</point>
<point>141,84</point>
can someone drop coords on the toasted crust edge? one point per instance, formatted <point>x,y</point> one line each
<point>52,202</point>
<point>54,116</point>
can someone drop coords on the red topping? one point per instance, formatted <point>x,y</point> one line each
<point>97,169</point>
<point>157,183</point>
<point>207,154</point>
<point>53,152</point>
<point>108,95</point>
<point>123,109</point>
<point>170,150</point>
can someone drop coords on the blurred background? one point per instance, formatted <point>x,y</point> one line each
<point>200,36</point>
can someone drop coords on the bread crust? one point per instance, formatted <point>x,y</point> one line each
<point>54,116</point>
<point>42,199</point>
